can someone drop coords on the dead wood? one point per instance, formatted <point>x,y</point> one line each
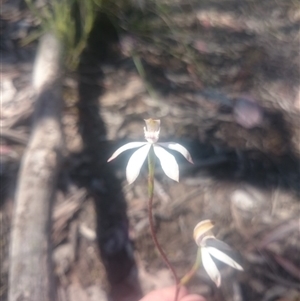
<point>63,213</point>
<point>14,136</point>
<point>30,273</point>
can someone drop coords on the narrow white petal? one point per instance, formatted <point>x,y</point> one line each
<point>224,258</point>
<point>179,148</point>
<point>210,267</point>
<point>168,162</point>
<point>135,163</point>
<point>124,148</point>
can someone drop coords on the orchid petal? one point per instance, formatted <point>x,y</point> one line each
<point>135,163</point>
<point>224,258</point>
<point>210,267</point>
<point>212,242</point>
<point>124,148</point>
<point>179,148</point>
<point>168,162</point>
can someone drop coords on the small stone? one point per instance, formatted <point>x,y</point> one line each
<point>248,113</point>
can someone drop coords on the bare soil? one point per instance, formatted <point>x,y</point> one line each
<point>225,75</point>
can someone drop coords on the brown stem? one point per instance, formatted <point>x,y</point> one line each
<point>151,163</point>
<point>159,248</point>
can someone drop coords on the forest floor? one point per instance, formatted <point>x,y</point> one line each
<point>224,79</point>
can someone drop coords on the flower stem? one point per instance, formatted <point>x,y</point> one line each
<point>189,275</point>
<point>151,165</point>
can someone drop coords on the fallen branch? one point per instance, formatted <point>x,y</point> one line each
<point>30,272</point>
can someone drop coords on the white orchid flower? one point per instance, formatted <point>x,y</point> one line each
<point>209,247</point>
<point>167,160</point>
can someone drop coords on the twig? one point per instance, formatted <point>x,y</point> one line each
<point>14,135</point>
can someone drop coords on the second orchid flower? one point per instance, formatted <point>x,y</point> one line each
<point>212,248</point>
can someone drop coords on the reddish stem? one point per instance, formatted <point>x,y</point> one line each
<point>159,248</point>
<point>151,166</point>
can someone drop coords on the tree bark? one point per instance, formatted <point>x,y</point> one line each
<point>30,272</point>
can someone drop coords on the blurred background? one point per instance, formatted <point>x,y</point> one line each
<point>223,77</point>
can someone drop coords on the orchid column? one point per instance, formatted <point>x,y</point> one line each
<point>153,149</point>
